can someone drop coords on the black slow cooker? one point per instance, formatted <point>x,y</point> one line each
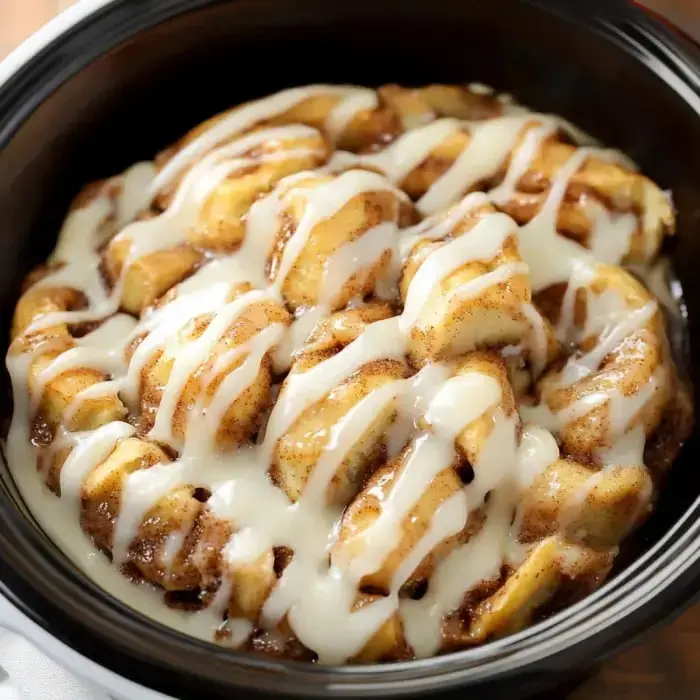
<point>112,82</point>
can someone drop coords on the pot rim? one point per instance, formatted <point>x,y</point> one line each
<point>45,35</point>
<point>675,559</point>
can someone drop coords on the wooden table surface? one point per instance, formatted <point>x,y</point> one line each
<point>664,666</point>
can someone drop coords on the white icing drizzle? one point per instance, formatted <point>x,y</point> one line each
<point>552,257</point>
<point>141,490</point>
<point>483,242</point>
<point>466,567</point>
<point>538,449</point>
<point>436,227</point>
<point>412,403</point>
<point>190,358</point>
<point>134,197</point>
<point>110,336</point>
<point>236,381</point>
<point>351,258</point>
<point>346,432</point>
<point>490,144</point>
<point>381,340</point>
<point>296,336</point>
<point>611,322</point>
<point>238,121</point>
<point>317,592</point>
<point>622,408</point>
<point>521,161</point>
<point>347,108</point>
<point>448,520</point>
<point>79,230</point>
<point>163,324</point>
<point>409,150</point>
<point>611,237</point>
<point>171,227</point>
<point>323,202</point>
<point>171,548</point>
<point>102,350</point>
<point>537,341</point>
<point>91,448</point>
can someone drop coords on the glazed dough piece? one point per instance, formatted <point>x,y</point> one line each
<point>251,583</point>
<point>299,450</point>
<point>102,488</point>
<point>619,377</point>
<point>313,107</point>
<point>39,301</point>
<point>336,237</point>
<point>464,286</point>
<point>601,184</point>
<point>207,214</point>
<point>247,583</point>
<point>338,330</point>
<point>150,547</point>
<point>595,507</point>
<point>219,358</point>
<point>163,542</point>
<point>366,126</point>
<point>387,643</point>
<point>512,607</point>
<point>95,215</point>
<point>254,164</point>
<point>553,568</point>
<point>418,106</point>
<point>354,119</point>
<point>98,212</point>
<point>55,391</point>
<point>606,399</point>
<point>149,276</point>
<point>366,509</point>
<point>598,183</point>
<point>295,458</point>
<point>57,398</point>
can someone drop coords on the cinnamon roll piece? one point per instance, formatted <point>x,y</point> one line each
<point>463,285</point>
<point>398,504</point>
<point>217,364</point>
<point>619,375</point>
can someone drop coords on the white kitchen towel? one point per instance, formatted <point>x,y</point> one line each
<point>26,674</point>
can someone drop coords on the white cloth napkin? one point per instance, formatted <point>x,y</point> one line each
<point>26,674</point>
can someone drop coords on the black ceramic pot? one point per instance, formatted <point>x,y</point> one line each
<point>114,81</point>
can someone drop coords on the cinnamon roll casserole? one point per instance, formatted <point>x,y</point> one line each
<point>351,375</point>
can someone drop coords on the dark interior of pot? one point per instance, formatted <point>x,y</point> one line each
<point>129,103</point>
